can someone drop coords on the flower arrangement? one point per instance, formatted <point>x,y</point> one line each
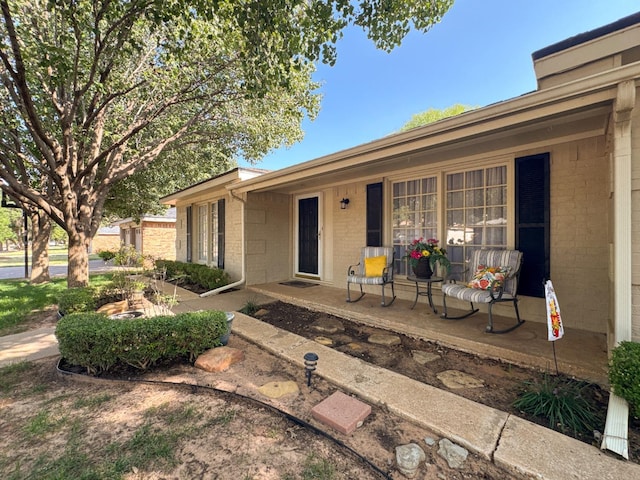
<point>429,249</point>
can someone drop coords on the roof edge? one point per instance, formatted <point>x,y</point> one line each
<point>587,36</point>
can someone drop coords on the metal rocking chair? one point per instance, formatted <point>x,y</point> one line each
<point>496,292</point>
<point>375,268</point>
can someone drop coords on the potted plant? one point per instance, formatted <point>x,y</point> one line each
<point>423,256</point>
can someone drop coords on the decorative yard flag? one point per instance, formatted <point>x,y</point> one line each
<point>554,322</point>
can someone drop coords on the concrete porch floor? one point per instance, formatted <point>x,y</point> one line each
<point>579,353</point>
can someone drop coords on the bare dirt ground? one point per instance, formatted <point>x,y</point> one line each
<point>231,436</point>
<point>502,382</point>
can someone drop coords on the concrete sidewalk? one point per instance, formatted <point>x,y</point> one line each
<point>514,444</point>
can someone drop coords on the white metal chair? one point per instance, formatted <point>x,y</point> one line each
<point>375,268</point>
<point>492,277</point>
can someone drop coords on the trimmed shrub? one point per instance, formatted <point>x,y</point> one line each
<point>99,344</point>
<point>624,373</point>
<point>202,275</point>
<point>107,255</point>
<point>79,299</point>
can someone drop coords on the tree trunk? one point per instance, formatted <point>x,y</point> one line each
<point>78,268</point>
<point>40,231</point>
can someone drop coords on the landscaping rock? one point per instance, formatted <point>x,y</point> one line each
<point>113,308</point>
<point>454,454</point>
<point>219,359</point>
<point>278,389</point>
<point>384,339</point>
<point>328,325</point>
<point>408,458</point>
<point>455,379</point>
<point>424,357</point>
<point>324,341</point>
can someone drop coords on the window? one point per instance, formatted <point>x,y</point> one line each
<point>415,215</point>
<point>189,234</point>
<point>202,233</point>
<point>476,212</point>
<point>214,233</point>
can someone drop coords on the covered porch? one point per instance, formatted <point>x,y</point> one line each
<point>579,353</point>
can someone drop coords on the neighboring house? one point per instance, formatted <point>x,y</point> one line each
<point>153,235</point>
<point>107,238</point>
<point>554,173</point>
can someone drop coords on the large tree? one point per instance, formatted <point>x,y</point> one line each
<point>433,115</point>
<point>94,91</point>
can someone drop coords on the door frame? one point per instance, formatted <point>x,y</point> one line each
<point>296,217</point>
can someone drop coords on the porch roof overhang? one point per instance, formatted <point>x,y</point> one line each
<point>579,109</point>
<point>218,182</point>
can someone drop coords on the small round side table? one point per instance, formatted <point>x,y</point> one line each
<point>427,293</point>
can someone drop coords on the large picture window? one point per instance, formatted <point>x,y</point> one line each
<point>476,212</point>
<point>415,215</point>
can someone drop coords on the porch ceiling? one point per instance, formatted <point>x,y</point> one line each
<point>539,132</point>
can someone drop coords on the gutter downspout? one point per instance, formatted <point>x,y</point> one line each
<point>616,430</point>
<point>242,228</point>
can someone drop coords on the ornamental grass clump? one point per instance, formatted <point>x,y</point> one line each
<point>561,402</point>
<point>624,374</point>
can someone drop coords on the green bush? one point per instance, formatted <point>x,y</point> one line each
<point>128,256</point>
<point>99,344</point>
<point>207,277</point>
<point>559,401</point>
<point>106,255</point>
<point>79,299</point>
<point>624,373</point>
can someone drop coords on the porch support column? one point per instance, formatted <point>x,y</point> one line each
<point>615,436</point>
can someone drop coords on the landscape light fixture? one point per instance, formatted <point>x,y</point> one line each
<point>310,362</point>
<point>343,203</point>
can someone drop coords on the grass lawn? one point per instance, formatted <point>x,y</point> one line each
<point>57,256</point>
<point>18,299</point>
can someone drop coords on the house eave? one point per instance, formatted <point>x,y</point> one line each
<point>230,177</point>
<point>532,108</point>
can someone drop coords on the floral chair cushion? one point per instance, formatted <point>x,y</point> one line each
<point>485,276</point>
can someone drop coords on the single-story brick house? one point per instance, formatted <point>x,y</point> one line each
<point>554,173</point>
<point>153,235</point>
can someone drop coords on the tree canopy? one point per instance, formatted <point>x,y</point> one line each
<point>93,91</point>
<point>433,115</point>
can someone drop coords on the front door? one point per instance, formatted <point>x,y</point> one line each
<point>308,235</point>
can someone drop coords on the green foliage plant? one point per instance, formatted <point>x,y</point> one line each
<point>560,401</point>
<point>624,373</point>
<point>107,255</point>
<point>79,299</point>
<point>99,344</point>
<point>202,275</point>
<point>128,256</point>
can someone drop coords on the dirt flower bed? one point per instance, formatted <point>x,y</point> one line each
<point>503,382</point>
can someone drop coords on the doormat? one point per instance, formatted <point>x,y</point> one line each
<point>298,284</point>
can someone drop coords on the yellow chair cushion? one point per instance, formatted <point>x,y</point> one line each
<point>374,266</point>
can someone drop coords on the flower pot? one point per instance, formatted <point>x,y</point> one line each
<point>423,268</point>
<point>225,338</point>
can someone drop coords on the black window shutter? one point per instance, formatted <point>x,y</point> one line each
<point>374,215</point>
<point>221,224</point>
<point>189,233</point>
<point>533,222</point>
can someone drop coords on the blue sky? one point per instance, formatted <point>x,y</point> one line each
<point>479,54</point>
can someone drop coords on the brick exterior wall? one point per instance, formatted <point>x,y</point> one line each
<point>268,230</point>
<point>159,240</point>
<point>100,243</point>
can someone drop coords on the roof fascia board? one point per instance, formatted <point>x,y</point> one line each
<point>588,52</point>
<point>583,92</point>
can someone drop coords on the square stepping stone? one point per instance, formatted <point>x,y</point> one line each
<point>341,412</point>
